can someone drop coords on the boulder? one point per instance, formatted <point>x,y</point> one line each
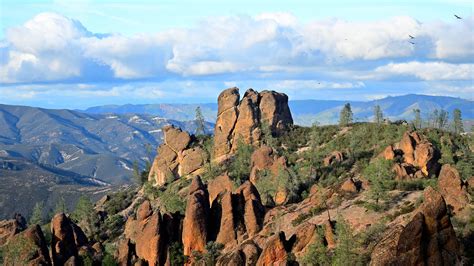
<point>253,210</point>
<point>67,238</point>
<point>274,251</point>
<point>9,228</point>
<point>242,120</point>
<point>219,185</point>
<point>30,248</point>
<point>174,158</point>
<point>428,239</point>
<point>426,157</point>
<point>407,145</point>
<point>334,157</point>
<point>144,233</point>
<point>349,186</point>
<point>196,219</point>
<point>388,153</point>
<point>453,188</point>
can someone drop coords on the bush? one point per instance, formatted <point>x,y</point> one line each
<point>240,166</point>
<point>176,254</point>
<point>119,201</point>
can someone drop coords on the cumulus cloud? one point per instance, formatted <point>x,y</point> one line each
<point>54,48</point>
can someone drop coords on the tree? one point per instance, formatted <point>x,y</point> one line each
<point>442,119</point>
<point>457,121</point>
<point>60,206</point>
<point>240,167</point>
<point>379,174</point>
<point>346,249</point>
<point>345,117</point>
<point>378,115</point>
<point>200,122</point>
<point>267,135</point>
<point>317,252</point>
<point>84,209</point>
<point>37,215</point>
<point>417,120</point>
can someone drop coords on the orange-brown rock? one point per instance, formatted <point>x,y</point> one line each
<point>274,252</point>
<point>9,228</point>
<point>426,157</point>
<point>227,234</point>
<point>67,238</point>
<point>453,188</point>
<point>253,210</point>
<point>428,239</point>
<point>329,234</point>
<point>174,158</point>
<point>196,219</point>
<point>144,232</point>
<point>404,171</point>
<point>334,157</point>
<point>124,252</point>
<point>407,145</point>
<point>349,186</point>
<point>242,120</point>
<point>388,153</point>
<point>304,236</point>
<point>219,185</point>
<point>31,248</point>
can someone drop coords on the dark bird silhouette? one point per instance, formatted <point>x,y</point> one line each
<point>412,42</point>
<point>411,37</point>
<point>458,17</point>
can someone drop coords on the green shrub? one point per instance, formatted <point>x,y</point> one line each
<point>119,201</point>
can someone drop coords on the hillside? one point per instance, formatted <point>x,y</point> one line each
<point>305,112</point>
<point>84,149</point>
<point>262,191</point>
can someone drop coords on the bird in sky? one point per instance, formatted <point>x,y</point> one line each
<point>412,42</point>
<point>411,37</point>
<point>458,17</point>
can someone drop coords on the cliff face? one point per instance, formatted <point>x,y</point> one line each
<point>243,120</point>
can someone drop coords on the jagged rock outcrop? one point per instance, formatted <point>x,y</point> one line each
<point>196,219</point>
<point>428,239</point>
<point>264,159</point>
<point>174,158</point>
<point>419,156</point>
<point>30,248</point>
<point>253,210</point>
<point>242,120</point>
<point>9,228</point>
<point>67,238</point>
<point>219,185</point>
<point>276,249</point>
<point>144,233</point>
<point>334,157</point>
<point>453,188</point>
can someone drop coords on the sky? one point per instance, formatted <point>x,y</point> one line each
<point>77,54</point>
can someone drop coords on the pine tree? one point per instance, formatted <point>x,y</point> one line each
<point>442,119</point>
<point>379,173</point>
<point>200,128</point>
<point>417,121</point>
<point>37,215</point>
<point>345,117</point>
<point>378,115</point>
<point>457,121</point>
<point>84,209</point>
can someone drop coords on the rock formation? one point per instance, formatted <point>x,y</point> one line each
<point>196,219</point>
<point>428,239</point>
<point>174,158</point>
<point>243,120</point>
<point>67,238</point>
<point>420,158</point>
<point>30,248</point>
<point>9,228</point>
<point>334,157</point>
<point>453,188</point>
<point>144,233</point>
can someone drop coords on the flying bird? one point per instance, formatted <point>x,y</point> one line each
<point>412,42</point>
<point>411,37</point>
<point>458,17</point>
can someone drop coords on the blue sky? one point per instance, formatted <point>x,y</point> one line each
<point>75,54</point>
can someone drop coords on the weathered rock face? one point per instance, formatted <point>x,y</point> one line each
<point>253,210</point>
<point>9,228</point>
<point>242,120</point>
<point>420,158</point>
<point>453,188</point>
<point>196,219</point>
<point>334,157</point>
<point>219,185</point>
<point>428,239</point>
<point>349,186</point>
<point>174,159</point>
<point>275,251</point>
<point>264,159</point>
<point>33,249</point>
<point>67,238</point>
<point>144,232</point>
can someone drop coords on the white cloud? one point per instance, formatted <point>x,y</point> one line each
<point>425,71</point>
<point>51,47</point>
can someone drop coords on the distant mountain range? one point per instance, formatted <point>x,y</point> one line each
<point>306,112</point>
<point>57,152</point>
